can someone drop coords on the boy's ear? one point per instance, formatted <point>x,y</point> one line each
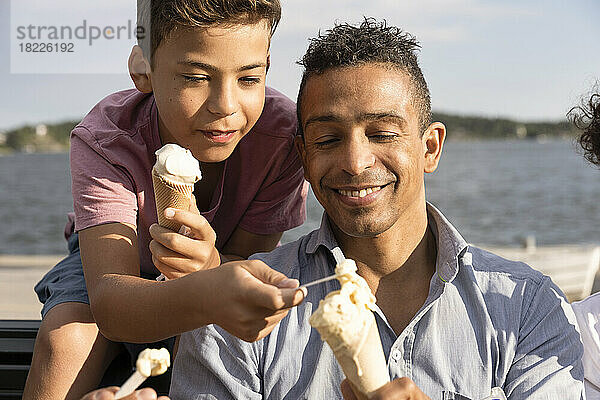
<point>139,70</point>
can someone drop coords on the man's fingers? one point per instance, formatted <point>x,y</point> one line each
<point>199,226</point>
<point>102,394</point>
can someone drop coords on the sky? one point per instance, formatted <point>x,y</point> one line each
<point>529,60</point>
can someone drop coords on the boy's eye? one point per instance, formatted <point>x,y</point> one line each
<point>250,80</point>
<point>195,78</point>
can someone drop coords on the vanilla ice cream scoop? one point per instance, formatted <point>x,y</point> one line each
<point>150,362</point>
<point>176,164</point>
<point>345,320</point>
<point>344,316</point>
<point>173,177</point>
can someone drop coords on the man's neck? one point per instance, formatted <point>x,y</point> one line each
<point>397,264</point>
<point>403,246</point>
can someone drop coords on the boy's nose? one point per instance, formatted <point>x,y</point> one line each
<point>222,102</point>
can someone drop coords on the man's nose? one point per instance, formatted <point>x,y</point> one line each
<point>358,156</point>
<point>222,100</point>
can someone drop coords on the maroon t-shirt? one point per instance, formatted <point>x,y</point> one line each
<point>262,188</point>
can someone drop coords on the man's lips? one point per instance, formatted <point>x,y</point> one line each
<point>359,196</point>
<point>358,192</point>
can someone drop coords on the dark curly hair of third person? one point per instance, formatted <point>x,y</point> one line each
<point>346,45</point>
<point>587,118</point>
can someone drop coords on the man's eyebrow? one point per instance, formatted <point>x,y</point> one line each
<point>376,116</point>
<point>209,67</point>
<point>385,116</point>
<point>322,118</point>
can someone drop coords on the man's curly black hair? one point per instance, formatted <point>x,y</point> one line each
<point>587,118</point>
<point>370,42</point>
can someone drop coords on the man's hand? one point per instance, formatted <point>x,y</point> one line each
<point>178,254</point>
<point>398,389</point>
<point>109,394</point>
<point>248,299</point>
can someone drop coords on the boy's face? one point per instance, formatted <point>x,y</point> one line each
<point>209,86</point>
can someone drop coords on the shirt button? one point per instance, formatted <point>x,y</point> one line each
<point>395,355</point>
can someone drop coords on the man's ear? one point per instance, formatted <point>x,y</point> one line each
<point>299,143</point>
<point>139,70</point>
<point>433,142</point>
<point>268,61</point>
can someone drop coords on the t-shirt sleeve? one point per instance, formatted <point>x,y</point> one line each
<point>547,363</point>
<point>281,202</point>
<point>102,191</point>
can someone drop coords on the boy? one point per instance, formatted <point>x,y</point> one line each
<point>200,79</point>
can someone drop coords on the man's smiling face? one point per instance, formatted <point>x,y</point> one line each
<point>362,150</point>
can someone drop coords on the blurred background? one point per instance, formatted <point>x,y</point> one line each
<point>502,76</point>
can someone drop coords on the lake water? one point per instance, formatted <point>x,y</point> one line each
<point>494,192</point>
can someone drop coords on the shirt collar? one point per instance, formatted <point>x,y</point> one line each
<point>451,246</point>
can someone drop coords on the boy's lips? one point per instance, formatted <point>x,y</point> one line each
<point>219,136</point>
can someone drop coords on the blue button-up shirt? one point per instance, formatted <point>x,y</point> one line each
<point>487,322</point>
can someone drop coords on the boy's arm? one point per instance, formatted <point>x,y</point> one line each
<point>129,308</point>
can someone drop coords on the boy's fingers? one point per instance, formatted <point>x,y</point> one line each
<point>347,392</point>
<point>293,297</point>
<point>266,274</point>
<point>199,226</point>
<point>194,206</point>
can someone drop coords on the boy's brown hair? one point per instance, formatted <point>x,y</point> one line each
<point>158,18</point>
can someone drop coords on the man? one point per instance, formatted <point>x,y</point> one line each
<point>454,320</point>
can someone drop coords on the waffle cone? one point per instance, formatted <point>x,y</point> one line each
<point>170,194</point>
<point>367,368</point>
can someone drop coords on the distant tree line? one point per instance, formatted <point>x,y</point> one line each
<point>466,127</point>
<point>38,138</point>
<point>55,137</point>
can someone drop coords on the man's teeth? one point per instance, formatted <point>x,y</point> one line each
<point>359,193</point>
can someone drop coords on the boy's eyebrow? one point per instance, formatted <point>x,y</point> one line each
<point>208,67</point>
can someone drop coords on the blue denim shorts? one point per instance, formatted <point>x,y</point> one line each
<point>65,283</point>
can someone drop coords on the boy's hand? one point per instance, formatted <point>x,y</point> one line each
<point>398,389</point>
<point>178,254</point>
<point>248,299</point>
<point>109,394</point>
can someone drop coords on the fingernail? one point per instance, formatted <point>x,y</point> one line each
<point>169,213</point>
<point>145,394</point>
<point>287,283</point>
<point>304,291</point>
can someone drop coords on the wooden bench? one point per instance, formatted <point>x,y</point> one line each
<point>16,347</point>
<point>572,268</point>
<point>17,339</point>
